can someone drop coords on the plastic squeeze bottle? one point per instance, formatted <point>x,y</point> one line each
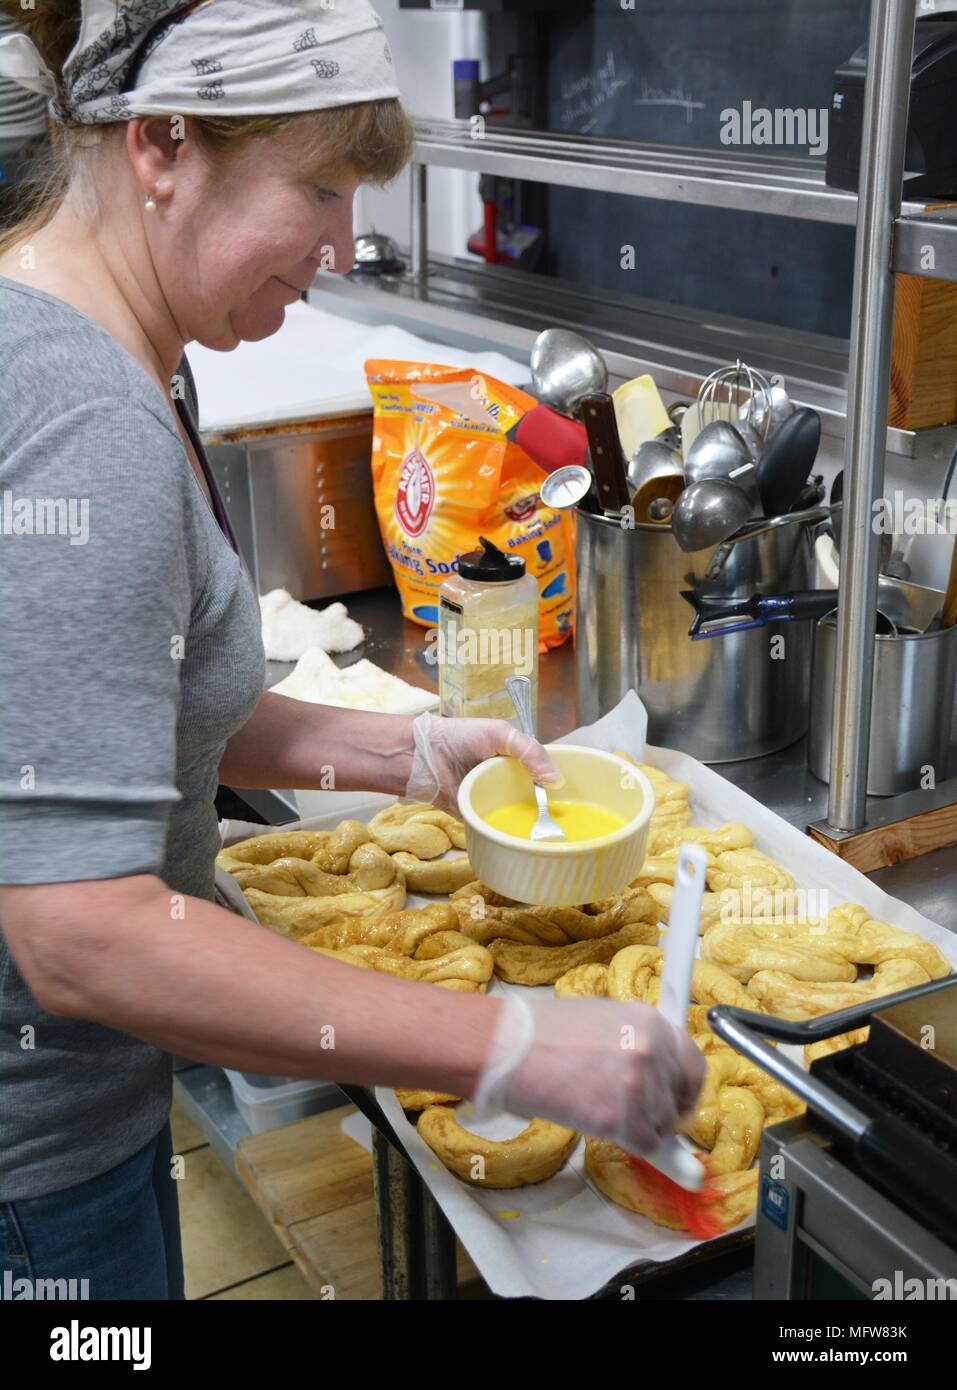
<point>488,631</point>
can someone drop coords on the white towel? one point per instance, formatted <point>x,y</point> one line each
<point>362,685</point>
<point>290,628</point>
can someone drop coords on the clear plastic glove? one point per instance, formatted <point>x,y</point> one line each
<point>614,1070</point>
<point>446,749</point>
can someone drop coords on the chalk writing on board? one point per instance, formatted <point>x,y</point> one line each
<point>583,97</point>
<point>668,96</point>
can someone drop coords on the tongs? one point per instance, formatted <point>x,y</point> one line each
<point>893,1154</point>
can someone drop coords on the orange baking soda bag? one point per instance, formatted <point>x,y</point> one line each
<point>444,473</point>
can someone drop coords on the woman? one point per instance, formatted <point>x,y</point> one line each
<point>134,662</point>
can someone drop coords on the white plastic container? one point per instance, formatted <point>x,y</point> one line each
<point>268,1102</point>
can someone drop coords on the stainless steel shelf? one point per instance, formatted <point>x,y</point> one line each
<point>498,307</point>
<point>926,244</point>
<point>782,185</point>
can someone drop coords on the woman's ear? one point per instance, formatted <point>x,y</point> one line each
<point>153,144</point>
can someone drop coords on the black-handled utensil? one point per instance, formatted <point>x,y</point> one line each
<point>787,461</point>
<point>757,610</point>
<point>811,495</point>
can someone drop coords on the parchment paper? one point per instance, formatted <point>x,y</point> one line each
<point>562,1239</point>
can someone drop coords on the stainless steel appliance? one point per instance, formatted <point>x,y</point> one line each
<point>858,1197</point>
<point>299,499</point>
<point>720,701</point>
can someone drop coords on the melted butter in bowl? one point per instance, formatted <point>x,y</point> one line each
<point>604,806</point>
<point>580,820</point>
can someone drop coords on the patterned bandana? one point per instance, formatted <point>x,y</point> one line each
<point>196,57</point>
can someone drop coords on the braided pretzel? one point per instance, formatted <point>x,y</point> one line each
<point>543,965</point>
<point>711,905</point>
<point>417,829</point>
<point>368,867</point>
<point>661,868</point>
<point>781,994</point>
<point>433,876</point>
<point>743,951</point>
<point>401,932</point>
<point>477,889</point>
<point>721,840</point>
<point>588,981</point>
<point>824,1048</point>
<point>854,934</point>
<point>296,917</point>
<point>553,926</point>
<point>611,1170</point>
<point>328,850</point>
<point>532,1156</point>
<point>635,974</point>
<point>468,968</point>
<point>737,867</point>
<point>666,825</point>
<point>727,1068</point>
<point>664,787</point>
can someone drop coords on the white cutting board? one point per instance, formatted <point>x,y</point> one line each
<point>314,367</point>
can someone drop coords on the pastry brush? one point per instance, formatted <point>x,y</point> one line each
<point>671,1174</point>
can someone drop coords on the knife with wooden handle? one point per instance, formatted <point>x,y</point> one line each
<point>604,446</point>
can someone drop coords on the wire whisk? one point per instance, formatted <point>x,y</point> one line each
<point>736,393</point>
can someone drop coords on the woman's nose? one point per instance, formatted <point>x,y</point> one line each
<point>338,252</point>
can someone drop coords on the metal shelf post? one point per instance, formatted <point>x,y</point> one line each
<point>890,44</point>
<point>419,221</point>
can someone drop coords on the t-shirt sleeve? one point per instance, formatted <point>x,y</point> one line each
<point>95,597</point>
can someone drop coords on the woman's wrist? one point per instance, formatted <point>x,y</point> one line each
<point>356,750</point>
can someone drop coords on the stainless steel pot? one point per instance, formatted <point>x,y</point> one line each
<point>913,699</point>
<point>722,700</point>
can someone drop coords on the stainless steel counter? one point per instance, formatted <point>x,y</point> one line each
<point>781,782</point>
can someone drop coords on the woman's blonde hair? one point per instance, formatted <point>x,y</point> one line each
<point>372,140</point>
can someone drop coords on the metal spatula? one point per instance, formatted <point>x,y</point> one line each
<point>520,689</point>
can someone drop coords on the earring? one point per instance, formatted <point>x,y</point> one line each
<point>148,202</point>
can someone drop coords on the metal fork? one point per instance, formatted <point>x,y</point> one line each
<point>520,689</point>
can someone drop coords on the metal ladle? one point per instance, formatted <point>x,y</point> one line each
<point>565,369</point>
<point>708,512</point>
<point>717,451</point>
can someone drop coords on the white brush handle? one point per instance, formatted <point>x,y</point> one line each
<point>682,940</point>
<point>671,1157</point>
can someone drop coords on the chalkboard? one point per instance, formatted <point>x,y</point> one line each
<point>671,71</point>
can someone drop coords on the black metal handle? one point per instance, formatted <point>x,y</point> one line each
<point>812,1030</point>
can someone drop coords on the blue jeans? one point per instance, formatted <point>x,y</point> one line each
<point>119,1230</point>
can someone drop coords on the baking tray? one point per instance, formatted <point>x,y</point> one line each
<point>563,1239</point>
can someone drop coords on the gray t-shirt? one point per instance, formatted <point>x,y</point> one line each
<point>130,652</point>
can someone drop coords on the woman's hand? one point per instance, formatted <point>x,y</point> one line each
<point>618,1071</point>
<point>446,749</point>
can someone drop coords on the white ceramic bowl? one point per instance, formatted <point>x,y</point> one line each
<point>558,874</point>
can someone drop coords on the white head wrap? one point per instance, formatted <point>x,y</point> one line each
<point>210,57</point>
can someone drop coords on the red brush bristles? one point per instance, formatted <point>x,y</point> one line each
<point>689,1210</point>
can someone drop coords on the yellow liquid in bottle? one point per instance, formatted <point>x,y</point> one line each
<point>580,820</point>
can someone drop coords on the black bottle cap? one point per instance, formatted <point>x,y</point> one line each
<point>490,565</point>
